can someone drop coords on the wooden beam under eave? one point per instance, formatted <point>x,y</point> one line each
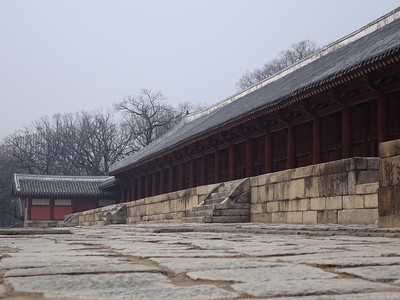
<point>363,98</point>
<point>391,88</point>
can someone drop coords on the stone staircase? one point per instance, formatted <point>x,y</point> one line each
<point>115,214</point>
<point>229,202</point>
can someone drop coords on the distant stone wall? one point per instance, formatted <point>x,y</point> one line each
<point>168,208</point>
<point>165,208</point>
<point>343,192</point>
<point>389,184</point>
<point>41,223</point>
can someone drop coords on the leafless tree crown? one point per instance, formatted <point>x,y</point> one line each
<point>148,116</point>
<point>285,59</point>
<point>72,144</point>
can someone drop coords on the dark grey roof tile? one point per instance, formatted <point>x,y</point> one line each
<point>25,185</point>
<point>341,60</point>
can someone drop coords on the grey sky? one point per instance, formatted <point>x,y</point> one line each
<point>59,56</point>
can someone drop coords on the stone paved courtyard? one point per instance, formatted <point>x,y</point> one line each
<point>201,261</point>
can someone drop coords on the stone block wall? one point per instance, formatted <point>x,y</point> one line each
<point>389,184</point>
<point>166,208</point>
<point>340,192</point>
<point>40,223</point>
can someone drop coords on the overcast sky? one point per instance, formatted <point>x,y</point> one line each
<point>59,56</point>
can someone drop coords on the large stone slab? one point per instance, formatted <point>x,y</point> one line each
<point>24,261</point>
<point>115,286</point>
<point>279,272</point>
<point>358,216</point>
<point>3,291</point>
<point>83,267</point>
<point>309,287</point>
<point>184,265</point>
<point>389,149</point>
<point>355,296</point>
<point>376,273</point>
<point>343,258</point>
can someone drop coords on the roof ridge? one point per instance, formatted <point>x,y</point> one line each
<point>42,177</point>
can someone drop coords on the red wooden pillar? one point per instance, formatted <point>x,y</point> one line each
<point>217,166</point>
<point>146,185</point>
<point>51,203</point>
<point>191,174</point>
<point>154,184</point>
<point>162,183</point>
<point>268,152</point>
<point>121,198</point>
<point>29,208</point>
<point>73,205</point>
<point>317,140</point>
<point>347,132</point>
<point>291,147</point>
<point>181,183</point>
<point>171,179</point>
<point>383,124</point>
<point>249,158</point>
<point>203,170</point>
<point>140,192</point>
<point>128,192</point>
<point>232,162</point>
<point>132,198</point>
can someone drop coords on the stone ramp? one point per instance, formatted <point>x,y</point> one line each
<point>228,203</point>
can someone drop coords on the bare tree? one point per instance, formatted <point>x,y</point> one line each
<point>24,148</point>
<point>285,59</point>
<point>11,211</point>
<point>147,116</point>
<point>89,143</point>
<point>80,144</point>
<point>99,143</point>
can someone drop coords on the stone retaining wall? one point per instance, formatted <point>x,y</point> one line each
<point>389,184</point>
<point>339,192</point>
<point>40,223</point>
<point>166,208</point>
<point>343,192</point>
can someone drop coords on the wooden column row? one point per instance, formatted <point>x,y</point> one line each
<point>151,180</point>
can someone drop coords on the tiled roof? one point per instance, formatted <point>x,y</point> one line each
<point>59,186</point>
<point>375,41</point>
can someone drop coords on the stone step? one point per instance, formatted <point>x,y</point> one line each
<point>219,195</point>
<point>197,220</point>
<point>221,206</point>
<point>225,189</point>
<point>200,213</point>
<point>203,207</point>
<point>218,212</point>
<point>231,212</point>
<point>233,206</point>
<point>213,201</point>
<point>230,219</point>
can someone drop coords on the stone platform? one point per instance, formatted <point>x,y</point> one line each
<point>201,261</point>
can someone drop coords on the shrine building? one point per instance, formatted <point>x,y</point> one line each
<point>49,198</point>
<point>340,102</point>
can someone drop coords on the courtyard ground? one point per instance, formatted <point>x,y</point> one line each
<point>201,261</point>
